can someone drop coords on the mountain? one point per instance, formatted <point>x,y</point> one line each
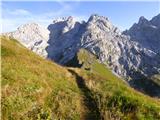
<point>130,54</point>
<point>111,47</point>
<point>124,56</point>
<point>36,88</point>
<point>64,39</point>
<point>146,33</point>
<point>32,36</point>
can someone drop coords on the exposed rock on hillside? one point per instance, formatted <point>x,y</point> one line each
<point>32,36</point>
<point>125,56</point>
<point>147,33</point>
<point>64,40</point>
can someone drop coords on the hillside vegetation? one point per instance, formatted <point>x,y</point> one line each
<point>34,88</point>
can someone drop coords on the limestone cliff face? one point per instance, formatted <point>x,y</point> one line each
<point>130,53</point>
<point>64,40</point>
<point>32,36</point>
<point>125,56</point>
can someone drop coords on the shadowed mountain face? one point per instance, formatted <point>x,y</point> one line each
<point>64,39</point>
<point>130,54</point>
<point>146,33</point>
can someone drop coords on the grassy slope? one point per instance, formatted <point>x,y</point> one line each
<point>36,88</point>
<point>33,87</point>
<point>114,97</point>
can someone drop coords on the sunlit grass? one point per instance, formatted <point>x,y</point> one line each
<point>114,97</point>
<point>34,88</point>
<point>31,84</point>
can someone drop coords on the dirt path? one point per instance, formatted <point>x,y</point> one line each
<point>88,100</point>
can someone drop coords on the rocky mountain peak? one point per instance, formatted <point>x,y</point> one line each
<point>34,28</point>
<point>32,25</point>
<point>156,20</point>
<point>62,19</point>
<point>70,18</point>
<point>64,24</point>
<point>32,36</point>
<point>146,33</point>
<point>143,21</point>
<point>99,22</point>
<point>95,17</point>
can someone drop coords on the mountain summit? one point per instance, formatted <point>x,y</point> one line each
<point>129,54</point>
<point>32,36</point>
<point>146,33</point>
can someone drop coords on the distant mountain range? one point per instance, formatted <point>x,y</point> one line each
<point>133,51</point>
<point>131,54</point>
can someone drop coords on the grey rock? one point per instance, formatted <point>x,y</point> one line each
<point>147,33</point>
<point>32,36</point>
<point>64,40</point>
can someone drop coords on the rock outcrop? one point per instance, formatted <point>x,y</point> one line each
<point>64,40</point>
<point>124,55</point>
<point>146,33</point>
<point>32,36</point>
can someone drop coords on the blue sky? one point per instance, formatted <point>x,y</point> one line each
<point>122,14</point>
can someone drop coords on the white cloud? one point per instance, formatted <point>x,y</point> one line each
<point>17,12</point>
<point>12,24</point>
<point>12,19</point>
<point>20,12</point>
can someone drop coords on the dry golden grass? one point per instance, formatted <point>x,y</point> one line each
<point>31,85</point>
<point>34,88</point>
